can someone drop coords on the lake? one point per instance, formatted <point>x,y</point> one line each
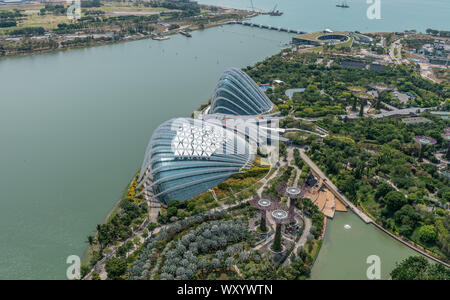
<point>345,251</point>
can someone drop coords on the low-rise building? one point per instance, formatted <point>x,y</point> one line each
<point>413,111</point>
<point>403,98</point>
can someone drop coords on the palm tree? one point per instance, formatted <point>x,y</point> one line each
<point>91,240</point>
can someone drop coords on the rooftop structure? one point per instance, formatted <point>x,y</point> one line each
<point>320,38</point>
<point>290,92</point>
<point>237,94</point>
<point>186,157</point>
<point>443,114</point>
<point>415,120</point>
<point>5,2</point>
<point>413,111</point>
<point>424,140</point>
<point>403,98</point>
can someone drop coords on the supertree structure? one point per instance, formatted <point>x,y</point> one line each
<point>424,141</point>
<point>263,205</point>
<point>293,193</point>
<point>280,217</point>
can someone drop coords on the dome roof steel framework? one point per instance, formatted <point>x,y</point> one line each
<point>186,157</point>
<point>237,94</point>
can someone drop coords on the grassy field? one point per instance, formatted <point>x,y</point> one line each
<point>110,7</point>
<point>50,21</point>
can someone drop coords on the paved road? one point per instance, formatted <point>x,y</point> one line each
<point>396,45</point>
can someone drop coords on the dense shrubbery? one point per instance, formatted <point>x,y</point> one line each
<point>4,24</point>
<point>153,245</point>
<point>311,210</point>
<point>55,9</point>
<point>10,14</point>
<point>199,250</point>
<point>187,9</point>
<point>91,3</point>
<point>277,186</point>
<point>120,225</point>
<point>326,88</point>
<point>28,31</point>
<point>419,268</point>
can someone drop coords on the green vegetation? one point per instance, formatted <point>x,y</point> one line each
<point>375,164</point>
<point>312,211</point>
<point>127,216</point>
<point>442,74</point>
<point>326,88</point>
<point>55,9</point>
<point>238,187</point>
<point>110,21</point>
<point>441,33</point>
<point>276,246</point>
<point>277,186</point>
<point>213,246</point>
<point>10,18</point>
<point>120,226</point>
<point>418,268</point>
<point>116,267</point>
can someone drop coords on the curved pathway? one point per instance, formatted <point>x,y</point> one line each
<point>307,221</point>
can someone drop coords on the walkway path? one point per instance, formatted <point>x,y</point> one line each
<point>315,169</point>
<point>306,221</point>
<point>307,131</point>
<point>303,239</point>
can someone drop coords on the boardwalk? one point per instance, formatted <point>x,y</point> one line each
<point>315,169</point>
<point>246,23</point>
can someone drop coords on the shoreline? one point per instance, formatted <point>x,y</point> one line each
<point>87,253</point>
<point>57,50</point>
<point>190,26</point>
<point>399,239</point>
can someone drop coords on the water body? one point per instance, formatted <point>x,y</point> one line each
<point>74,126</point>
<point>345,250</point>
<point>317,15</point>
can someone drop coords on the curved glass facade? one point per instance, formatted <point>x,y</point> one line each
<point>186,157</point>
<point>237,94</point>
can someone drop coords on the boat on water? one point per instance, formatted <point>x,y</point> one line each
<point>160,38</point>
<point>343,4</point>
<point>276,13</point>
<point>186,34</point>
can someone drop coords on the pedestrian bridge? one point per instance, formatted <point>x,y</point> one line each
<point>246,23</point>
